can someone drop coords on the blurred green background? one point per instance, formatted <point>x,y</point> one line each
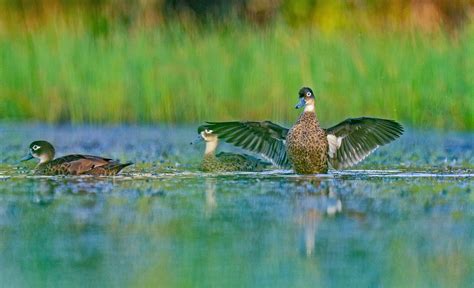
<point>118,61</point>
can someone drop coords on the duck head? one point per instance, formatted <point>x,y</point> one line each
<point>306,99</point>
<point>207,136</point>
<point>41,150</point>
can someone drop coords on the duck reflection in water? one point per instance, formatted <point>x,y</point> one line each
<point>210,196</point>
<point>318,202</point>
<point>43,192</point>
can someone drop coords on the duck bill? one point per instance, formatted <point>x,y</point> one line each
<point>301,103</point>
<point>197,140</point>
<point>27,157</point>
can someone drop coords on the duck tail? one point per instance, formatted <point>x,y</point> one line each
<point>119,166</point>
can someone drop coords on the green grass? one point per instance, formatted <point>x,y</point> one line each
<point>63,72</point>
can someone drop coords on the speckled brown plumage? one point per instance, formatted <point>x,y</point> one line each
<point>307,145</point>
<point>229,162</point>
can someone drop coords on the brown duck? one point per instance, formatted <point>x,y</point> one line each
<point>71,164</point>
<point>307,147</point>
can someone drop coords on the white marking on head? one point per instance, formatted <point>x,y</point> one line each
<point>35,147</point>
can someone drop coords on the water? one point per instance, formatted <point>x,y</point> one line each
<point>404,218</point>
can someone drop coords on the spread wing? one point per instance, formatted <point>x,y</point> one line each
<point>354,139</point>
<point>265,138</point>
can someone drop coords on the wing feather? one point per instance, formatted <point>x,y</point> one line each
<point>265,138</point>
<point>360,137</point>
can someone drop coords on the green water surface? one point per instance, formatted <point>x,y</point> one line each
<point>403,218</point>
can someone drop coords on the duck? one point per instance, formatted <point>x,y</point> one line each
<point>75,164</point>
<point>306,147</point>
<point>225,161</point>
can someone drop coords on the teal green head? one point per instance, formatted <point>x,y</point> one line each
<point>306,96</point>
<point>41,150</point>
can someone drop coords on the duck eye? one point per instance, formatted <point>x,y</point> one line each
<point>308,93</point>
<point>35,147</point>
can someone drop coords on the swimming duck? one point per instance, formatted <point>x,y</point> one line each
<point>225,162</point>
<point>71,164</point>
<point>307,147</point>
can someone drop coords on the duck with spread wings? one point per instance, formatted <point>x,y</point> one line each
<point>307,147</point>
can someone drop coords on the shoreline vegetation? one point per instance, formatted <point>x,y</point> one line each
<point>65,69</point>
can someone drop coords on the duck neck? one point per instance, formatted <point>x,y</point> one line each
<point>309,108</point>
<point>308,116</point>
<point>210,148</point>
<point>45,158</point>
